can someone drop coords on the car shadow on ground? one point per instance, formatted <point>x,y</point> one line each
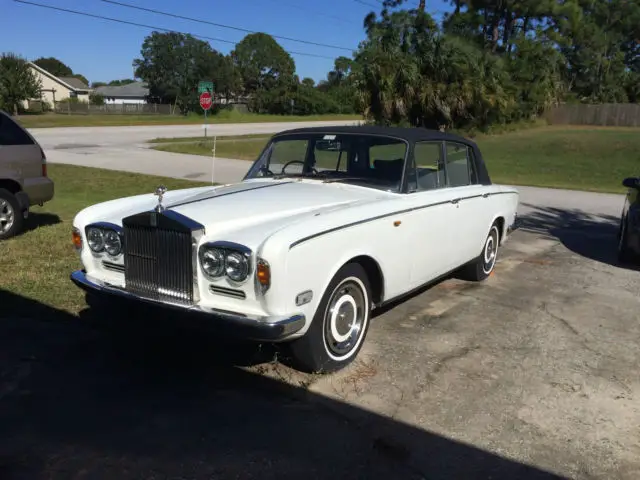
<point>591,236</point>
<point>75,400</point>
<point>36,220</point>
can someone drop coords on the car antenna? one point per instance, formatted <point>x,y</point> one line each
<point>213,157</point>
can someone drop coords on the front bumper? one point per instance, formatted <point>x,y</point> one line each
<point>256,328</point>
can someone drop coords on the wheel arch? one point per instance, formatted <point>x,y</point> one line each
<point>500,222</point>
<point>11,185</point>
<point>374,275</point>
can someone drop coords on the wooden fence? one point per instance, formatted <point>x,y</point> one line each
<point>84,108</point>
<point>606,114</point>
<point>115,109</point>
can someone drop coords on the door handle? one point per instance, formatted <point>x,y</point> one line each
<point>485,195</point>
<point>454,201</point>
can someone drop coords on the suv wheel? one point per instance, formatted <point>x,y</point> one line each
<point>11,220</point>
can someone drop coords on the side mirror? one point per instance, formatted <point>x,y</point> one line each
<point>631,182</point>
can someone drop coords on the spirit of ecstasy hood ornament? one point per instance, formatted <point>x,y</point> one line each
<point>160,191</point>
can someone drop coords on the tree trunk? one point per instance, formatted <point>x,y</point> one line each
<point>508,26</point>
<point>457,7</point>
<point>422,5</point>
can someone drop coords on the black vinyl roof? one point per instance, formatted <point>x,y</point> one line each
<point>415,134</point>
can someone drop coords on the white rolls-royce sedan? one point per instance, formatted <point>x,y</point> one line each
<point>329,224</point>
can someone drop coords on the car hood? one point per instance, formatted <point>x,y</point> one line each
<point>257,203</point>
<point>267,204</point>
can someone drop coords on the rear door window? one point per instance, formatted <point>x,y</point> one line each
<point>11,133</point>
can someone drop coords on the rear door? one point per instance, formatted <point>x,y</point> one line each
<point>20,156</point>
<point>472,215</point>
<point>431,227</point>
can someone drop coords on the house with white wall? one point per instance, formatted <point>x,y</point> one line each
<point>131,93</point>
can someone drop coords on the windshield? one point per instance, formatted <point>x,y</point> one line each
<point>368,160</point>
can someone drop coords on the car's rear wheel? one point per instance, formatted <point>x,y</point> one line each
<point>483,265</point>
<point>11,220</point>
<point>339,326</point>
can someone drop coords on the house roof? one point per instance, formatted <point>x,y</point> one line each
<point>136,89</point>
<point>65,81</point>
<point>75,83</point>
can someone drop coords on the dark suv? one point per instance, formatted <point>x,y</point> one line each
<point>629,232</point>
<point>23,176</point>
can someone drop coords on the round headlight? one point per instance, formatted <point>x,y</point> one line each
<point>237,266</point>
<point>112,243</point>
<point>213,262</point>
<point>95,239</point>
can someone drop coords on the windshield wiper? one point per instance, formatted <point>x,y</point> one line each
<point>331,180</point>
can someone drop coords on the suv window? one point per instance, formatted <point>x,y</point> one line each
<point>460,169</point>
<point>11,133</point>
<point>429,167</point>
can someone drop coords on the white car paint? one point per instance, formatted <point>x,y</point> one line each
<point>307,230</point>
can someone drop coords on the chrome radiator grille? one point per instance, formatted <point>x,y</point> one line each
<point>158,258</point>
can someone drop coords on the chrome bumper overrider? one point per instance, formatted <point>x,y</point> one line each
<point>514,226</point>
<point>246,326</point>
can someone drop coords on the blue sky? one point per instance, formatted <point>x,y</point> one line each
<point>102,50</point>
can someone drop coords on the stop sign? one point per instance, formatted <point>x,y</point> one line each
<point>205,100</point>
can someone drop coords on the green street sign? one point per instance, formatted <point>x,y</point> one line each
<point>205,86</point>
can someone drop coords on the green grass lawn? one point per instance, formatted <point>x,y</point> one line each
<point>580,158</point>
<point>101,120</point>
<point>37,263</point>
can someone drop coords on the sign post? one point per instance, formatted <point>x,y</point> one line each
<point>205,87</point>
<point>205,102</point>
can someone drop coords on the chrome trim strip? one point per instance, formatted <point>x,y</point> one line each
<point>500,193</point>
<point>196,236</point>
<point>227,292</point>
<point>399,212</point>
<point>367,220</point>
<point>186,221</point>
<point>114,267</point>
<point>216,195</point>
<point>253,327</point>
<point>108,225</point>
<point>224,245</point>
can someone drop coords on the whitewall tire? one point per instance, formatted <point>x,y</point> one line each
<point>482,266</point>
<point>340,325</point>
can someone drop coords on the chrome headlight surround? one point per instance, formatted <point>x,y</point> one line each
<point>236,264</point>
<point>104,237</point>
<point>213,254</point>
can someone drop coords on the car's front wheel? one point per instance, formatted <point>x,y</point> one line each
<point>339,326</point>
<point>11,219</point>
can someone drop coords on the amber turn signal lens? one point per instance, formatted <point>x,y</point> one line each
<point>263,273</point>
<point>77,239</point>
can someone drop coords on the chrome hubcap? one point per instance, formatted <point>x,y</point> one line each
<point>490,251</point>
<point>344,318</point>
<point>6,216</point>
